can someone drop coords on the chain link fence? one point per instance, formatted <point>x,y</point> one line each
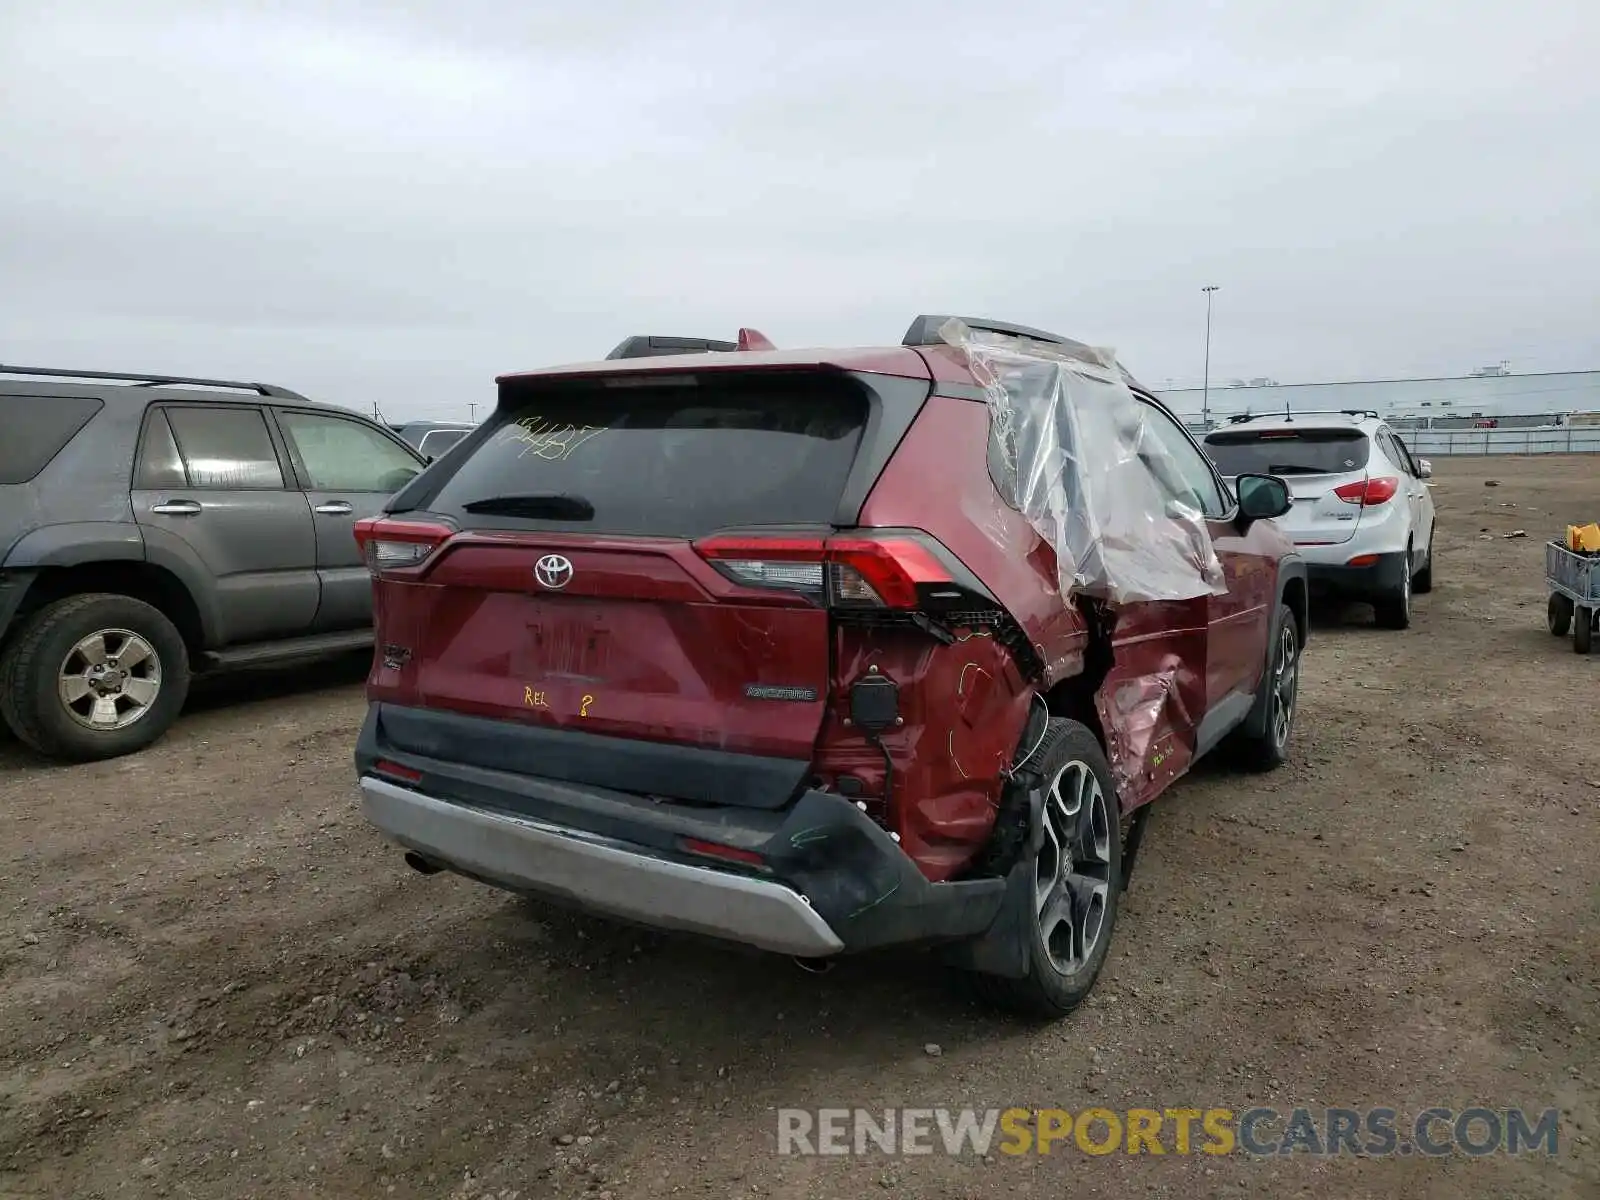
<point>1560,439</point>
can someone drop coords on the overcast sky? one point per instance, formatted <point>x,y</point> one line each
<point>396,201</point>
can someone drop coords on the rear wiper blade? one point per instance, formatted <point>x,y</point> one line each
<point>1292,469</point>
<point>552,506</point>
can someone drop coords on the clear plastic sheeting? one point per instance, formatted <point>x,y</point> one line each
<point>1073,449</point>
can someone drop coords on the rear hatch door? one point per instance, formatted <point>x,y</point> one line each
<point>1313,461</point>
<point>573,598</point>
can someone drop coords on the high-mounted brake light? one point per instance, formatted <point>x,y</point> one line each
<point>388,544</point>
<point>846,571</point>
<point>1368,492</point>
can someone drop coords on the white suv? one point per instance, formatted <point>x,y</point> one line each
<point>1363,513</point>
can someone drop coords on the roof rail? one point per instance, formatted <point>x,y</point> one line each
<point>925,329</point>
<point>1289,415</point>
<point>653,345</point>
<point>145,379</point>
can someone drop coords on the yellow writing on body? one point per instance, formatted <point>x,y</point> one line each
<point>534,699</point>
<point>1102,1131</point>
<point>583,707</point>
<point>553,441</point>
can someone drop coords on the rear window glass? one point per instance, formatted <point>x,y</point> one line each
<point>1289,451</point>
<point>36,428</point>
<point>671,460</point>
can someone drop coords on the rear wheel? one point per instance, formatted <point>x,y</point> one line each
<point>1077,877</point>
<point>1558,615</point>
<point>1583,630</point>
<point>93,676</point>
<point>1393,610</point>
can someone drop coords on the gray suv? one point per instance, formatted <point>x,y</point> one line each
<point>152,527</point>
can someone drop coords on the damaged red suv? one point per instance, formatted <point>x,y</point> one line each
<point>825,651</point>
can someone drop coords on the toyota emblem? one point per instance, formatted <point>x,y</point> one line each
<point>553,571</point>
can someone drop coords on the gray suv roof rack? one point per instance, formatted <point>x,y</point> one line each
<point>145,379</point>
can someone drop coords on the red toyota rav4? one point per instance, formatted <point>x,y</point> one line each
<point>825,651</point>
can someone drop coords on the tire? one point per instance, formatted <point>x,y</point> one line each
<point>1393,611</point>
<point>1278,700</point>
<point>1583,631</point>
<point>1558,615</point>
<point>1423,583</point>
<point>1080,894</point>
<point>46,661</point>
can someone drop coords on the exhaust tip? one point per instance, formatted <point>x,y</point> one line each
<point>421,865</point>
<point>814,966</point>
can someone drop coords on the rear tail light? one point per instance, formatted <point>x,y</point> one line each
<point>844,572</point>
<point>1367,492</point>
<point>388,544</point>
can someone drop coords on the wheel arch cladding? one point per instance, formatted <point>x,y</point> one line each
<point>156,586</point>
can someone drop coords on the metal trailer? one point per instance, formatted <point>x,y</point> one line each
<point>1574,582</point>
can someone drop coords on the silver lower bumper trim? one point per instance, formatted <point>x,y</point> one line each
<point>604,877</point>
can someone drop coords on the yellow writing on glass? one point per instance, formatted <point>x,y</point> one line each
<point>553,441</point>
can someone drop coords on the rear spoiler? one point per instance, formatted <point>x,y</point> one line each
<point>650,345</point>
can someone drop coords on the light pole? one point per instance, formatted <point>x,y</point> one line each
<point>472,411</point>
<point>1205,386</point>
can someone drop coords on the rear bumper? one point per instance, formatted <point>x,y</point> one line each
<point>601,876</point>
<point>1383,575</point>
<point>828,879</point>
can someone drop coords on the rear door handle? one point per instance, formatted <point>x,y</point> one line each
<point>336,508</point>
<point>176,508</point>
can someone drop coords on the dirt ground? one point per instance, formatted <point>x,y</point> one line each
<point>216,981</point>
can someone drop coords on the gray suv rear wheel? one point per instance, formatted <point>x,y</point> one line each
<point>93,676</point>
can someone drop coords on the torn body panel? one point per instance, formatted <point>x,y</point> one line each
<point>1153,696</point>
<point>934,779</point>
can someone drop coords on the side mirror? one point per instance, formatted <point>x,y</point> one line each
<point>1262,497</point>
<point>1424,469</point>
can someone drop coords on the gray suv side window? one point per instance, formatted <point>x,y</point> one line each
<point>340,455</point>
<point>225,447</point>
<point>160,465</point>
<point>37,428</point>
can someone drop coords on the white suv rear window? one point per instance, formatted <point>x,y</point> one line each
<point>1288,451</point>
